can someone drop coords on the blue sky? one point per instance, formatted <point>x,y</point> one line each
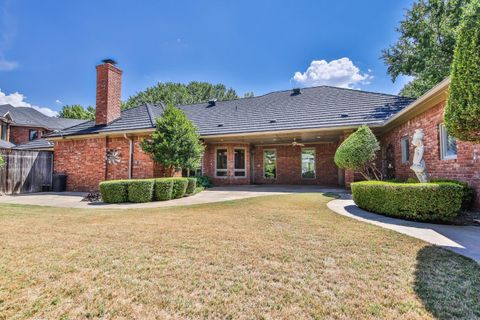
<point>49,49</point>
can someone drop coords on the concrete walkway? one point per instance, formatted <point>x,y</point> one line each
<point>217,194</point>
<point>464,240</point>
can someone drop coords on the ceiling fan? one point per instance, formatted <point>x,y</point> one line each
<point>297,144</point>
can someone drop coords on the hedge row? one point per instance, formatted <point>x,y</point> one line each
<point>146,190</point>
<point>437,201</point>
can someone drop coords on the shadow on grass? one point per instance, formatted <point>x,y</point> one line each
<point>448,284</point>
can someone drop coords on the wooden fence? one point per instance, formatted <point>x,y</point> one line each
<point>25,171</point>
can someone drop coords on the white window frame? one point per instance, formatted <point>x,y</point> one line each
<point>216,168</point>
<point>405,149</point>
<point>314,164</point>
<point>235,170</point>
<point>443,141</point>
<point>276,164</point>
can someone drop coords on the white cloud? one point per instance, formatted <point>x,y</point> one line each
<point>17,99</point>
<point>338,73</point>
<point>58,101</point>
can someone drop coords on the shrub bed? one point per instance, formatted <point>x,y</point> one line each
<point>179,187</point>
<point>192,184</point>
<point>114,191</point>
<point>437,201</point>
<point>140,190</point>
<point>163,189</point>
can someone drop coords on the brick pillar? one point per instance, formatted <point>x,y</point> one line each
<point>109,84</point>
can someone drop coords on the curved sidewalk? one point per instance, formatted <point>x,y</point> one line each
<point>464,240</point>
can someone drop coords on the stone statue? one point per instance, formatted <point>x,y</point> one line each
<point>419,166</point>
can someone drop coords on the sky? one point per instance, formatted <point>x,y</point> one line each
<point>49,49</point>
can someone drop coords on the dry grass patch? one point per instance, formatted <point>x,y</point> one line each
<point>277,257</point>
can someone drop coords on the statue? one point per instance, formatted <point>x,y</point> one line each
<point>419,166</point>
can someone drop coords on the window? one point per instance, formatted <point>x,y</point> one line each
<point>221,163</point>
<point>32,134</point>
<point>448,144</point>
<point>4,131</point>
<point>308,163</point>
<point>239,163</point>
<point>405,150</point>
<point>270,164</point>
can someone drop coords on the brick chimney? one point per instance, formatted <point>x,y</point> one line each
<point>109,85</point>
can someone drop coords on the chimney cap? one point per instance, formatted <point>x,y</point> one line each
<point>109,61</point>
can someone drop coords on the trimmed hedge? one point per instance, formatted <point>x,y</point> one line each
<point>163,189</point>
<point>192,184</point>
<point>179,187</point>
<point>468,192</point>
<point>140,190</point>
<point>114,191</point>
<point>204,181</point>
<point>437,201</point>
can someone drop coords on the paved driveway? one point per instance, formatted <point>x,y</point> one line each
<point>217,194</point>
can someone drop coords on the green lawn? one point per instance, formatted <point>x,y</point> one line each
<point>276,257</point>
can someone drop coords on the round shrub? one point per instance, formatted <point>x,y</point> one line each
<point>140,190</point>
<point>204,181</point>
<point>114,191</point>
<point>192,184</point>
<point>179,187</point>
<point>163,189</point>
<point>438,201</point>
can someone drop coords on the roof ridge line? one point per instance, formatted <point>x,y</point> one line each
<point>149,111</point>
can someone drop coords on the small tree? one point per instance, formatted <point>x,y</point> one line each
<point>175,143</point>
<point>358,153</point>
<point>2,162</point>
<point>462,114</point>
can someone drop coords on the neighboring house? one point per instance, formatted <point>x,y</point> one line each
<point>284,137</point>
<point>21,126</point>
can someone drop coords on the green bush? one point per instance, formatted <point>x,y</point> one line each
<point>114,191</point>
<point>358,153</point>
<point>438,201</point>
<point>468,192</point>
<point>192,184</point>
<point>179,187</point>
<point>163,189</point>
<point>204,181</point>
<point>140,190</point>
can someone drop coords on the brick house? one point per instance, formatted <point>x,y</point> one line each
<point>284,137</point>
<point>23,128</point>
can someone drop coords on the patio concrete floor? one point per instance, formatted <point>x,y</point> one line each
<point>216,194</point>
<point>464,240</point>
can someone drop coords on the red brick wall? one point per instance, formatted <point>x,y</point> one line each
<point>467,165</point>
<point>209,163</point>
<point>19,135</point>
<point>289,165</point>
<point>83,161</point>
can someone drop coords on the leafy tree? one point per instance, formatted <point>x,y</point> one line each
<point>76,111</point>
<point>462,114</point>
<point>179,94</point>
<point>2,162</point>
<point>175,143</point>
<point>249,94</point>
<point>358,153</point>
<point>426,44</point>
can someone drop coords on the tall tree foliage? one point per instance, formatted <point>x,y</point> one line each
<point>76,111</point>
<point>358,153</point>
<point>175,143</point>
<point>426,44</point>
<point>2,162</point>
<point>179,93</point>
<point>462,114</point>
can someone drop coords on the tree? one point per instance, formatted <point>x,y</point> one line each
<point>179,94</point>
<point>358,153</point>
<point>249,94</point>
<point>426,44</point>
<point>2,162</point>
<point>175,143</point>
<point>76,111</point>
<point>462,114</point>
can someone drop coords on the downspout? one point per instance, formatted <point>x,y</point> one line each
<point>130,155</point>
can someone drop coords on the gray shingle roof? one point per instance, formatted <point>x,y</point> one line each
<point>6,144</point>
<point>30,117</point>
<point>37,144</point>
<point>316,107</point>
